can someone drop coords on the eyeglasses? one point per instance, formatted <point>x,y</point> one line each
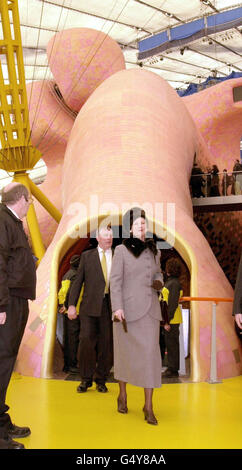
<point>29,199</point>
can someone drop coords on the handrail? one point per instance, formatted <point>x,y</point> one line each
<point>228,173</point>
<point>225,179</point>
<point>207,299</point>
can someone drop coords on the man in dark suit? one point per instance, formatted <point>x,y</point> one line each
<point>17,285</point>
<point>95,312</point>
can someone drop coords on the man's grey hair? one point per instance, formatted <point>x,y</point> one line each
<point>14,194</point>
<point>103,227</point>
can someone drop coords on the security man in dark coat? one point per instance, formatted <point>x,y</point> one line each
<point>171,292</point>
<point>17,285</point>
<point>71,327</point>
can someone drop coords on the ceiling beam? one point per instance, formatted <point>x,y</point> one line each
<point>96,16</point>
<point>217,60</point>
<point>164,12</point>
<point>226,47</point>
<point>187,63</point>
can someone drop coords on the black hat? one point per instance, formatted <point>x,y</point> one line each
<point>129,217</point>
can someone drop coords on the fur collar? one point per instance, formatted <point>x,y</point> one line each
<point>137,246</point>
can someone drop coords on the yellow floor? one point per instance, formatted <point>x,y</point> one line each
<point>190,415</point>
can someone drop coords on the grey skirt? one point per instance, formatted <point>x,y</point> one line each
<point>137,356</point>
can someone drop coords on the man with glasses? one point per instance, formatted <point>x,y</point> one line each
<point>17,285</point>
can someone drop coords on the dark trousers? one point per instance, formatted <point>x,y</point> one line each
<point>96,346</point>
<point>172,347</point>
<point>197,191</point>
<point>71,341</point>
<point>11,333</point>
<point>162,343</point>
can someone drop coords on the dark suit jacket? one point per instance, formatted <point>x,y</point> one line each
<point>17,266</point>
<point>90,273</point>
<point>237,306</point>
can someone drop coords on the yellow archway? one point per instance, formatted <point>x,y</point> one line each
<point>68,240</point>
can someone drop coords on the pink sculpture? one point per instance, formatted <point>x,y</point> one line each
<point>133,141</point>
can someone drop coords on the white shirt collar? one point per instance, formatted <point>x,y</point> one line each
<point>14,213</point>
<point>100,250</point>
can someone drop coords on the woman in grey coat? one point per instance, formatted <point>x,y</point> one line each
<point>135,278</point>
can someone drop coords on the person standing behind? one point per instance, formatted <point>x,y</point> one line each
<point>208,178</point>
<point>196,181</point>
<point>214,190</point>
<point>226,182</point>
<point>95,312</point>
<point>171,294</point>
<point>71,327</point>
<point>17,285</point>
<point>237,175</point>
<point>135,276</point>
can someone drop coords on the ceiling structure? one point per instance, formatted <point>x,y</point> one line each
<point>128,22</point>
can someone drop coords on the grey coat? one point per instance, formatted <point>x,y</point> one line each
<point>131,283</point>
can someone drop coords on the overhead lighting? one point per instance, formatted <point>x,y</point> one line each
<point>153,61</point>
<point>183,49</point>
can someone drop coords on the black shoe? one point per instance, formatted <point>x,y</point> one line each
<point>10,444</point>
<point>16,431</point>
<point>170,373</point>
<point>84,385</point>
<point>74,370</point>
<point>102,388</point>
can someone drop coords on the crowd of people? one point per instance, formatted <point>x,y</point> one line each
<point>114,298</point>
<point>211,182</point>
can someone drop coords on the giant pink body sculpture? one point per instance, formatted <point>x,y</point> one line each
<point>132,141</point>
<point>218,118</point>
<point>80,60</point>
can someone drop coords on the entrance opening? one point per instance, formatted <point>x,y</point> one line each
<point>83,244</point>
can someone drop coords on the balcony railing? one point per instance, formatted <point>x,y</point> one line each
<point>218,184</point>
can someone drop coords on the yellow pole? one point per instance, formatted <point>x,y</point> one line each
<point>44,201</point>
<point>17,153</point>
<point>36,238</point>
